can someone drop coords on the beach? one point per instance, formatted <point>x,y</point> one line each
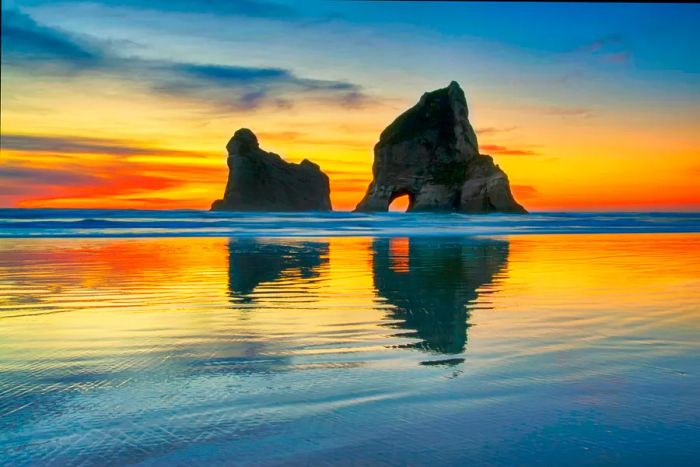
<point>377,348</point>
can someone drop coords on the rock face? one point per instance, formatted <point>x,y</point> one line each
<point>263,181</point>
<point>431,154</point>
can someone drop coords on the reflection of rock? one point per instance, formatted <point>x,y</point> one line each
<point>431,154</point>
<point>430,282</point>
<point>252,262</point>
<point>263,181</point>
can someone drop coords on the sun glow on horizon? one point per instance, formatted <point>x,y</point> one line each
<point>125,114</point>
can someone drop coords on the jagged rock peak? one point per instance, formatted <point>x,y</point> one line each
<point>431,153</point>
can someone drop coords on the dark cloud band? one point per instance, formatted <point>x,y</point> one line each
<point>27,44</point>
<point>80,145</point>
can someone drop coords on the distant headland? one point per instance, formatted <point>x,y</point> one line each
<point>429,153</point>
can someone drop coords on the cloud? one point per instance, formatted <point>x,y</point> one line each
<point>81,145</point>
<point>17,182</point>
<point>82,182</point>
<point>112,183</point>
<point>115,187</point>
<point>566,111</point>
<point>600,43</point>
<point>41,176</point>
<point>250,8</point>
<point>24,40</point>
<point>308,139</point>
<point>246,8</point>
<point>619,57</point>
<point>505,151</point>
<point>563,111</point>
<point>494,130</point>
<point>256,86</point>
<point>110,178</point>
<point>225,87</point>
<point>610,48</point>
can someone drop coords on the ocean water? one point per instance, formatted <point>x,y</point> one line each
<point>135,223</point>
<point>190,338</point>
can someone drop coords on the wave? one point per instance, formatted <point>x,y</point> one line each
<point>16,223</point>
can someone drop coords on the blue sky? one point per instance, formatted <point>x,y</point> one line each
<point>578,87</point>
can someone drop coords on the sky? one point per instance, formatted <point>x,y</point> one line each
<point>129,104</point>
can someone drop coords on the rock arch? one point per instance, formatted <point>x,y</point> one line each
<point>396,194</point>
<point>431,152</point>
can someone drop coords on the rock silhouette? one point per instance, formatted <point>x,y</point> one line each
<point>252,262</point>
<point>430,153</point>
<point>263,181</point>
<point>430,283</point>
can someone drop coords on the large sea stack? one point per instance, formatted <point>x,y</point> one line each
<point>431,154</point>
<point>263,181</point>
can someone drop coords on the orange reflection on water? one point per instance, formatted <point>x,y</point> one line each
<point>279,296</point>
<point>191,341</point>
<point>399,252</point>
<point>562,292</point>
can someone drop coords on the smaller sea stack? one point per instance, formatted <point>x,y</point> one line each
<point>263,181</point>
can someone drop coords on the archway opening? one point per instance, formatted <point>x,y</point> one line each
<point>400,203</point>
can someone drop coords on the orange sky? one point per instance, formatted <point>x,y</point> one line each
<point>178,162</point>
<point>83,126</point>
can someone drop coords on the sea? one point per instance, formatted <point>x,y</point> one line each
<point>195,338</point>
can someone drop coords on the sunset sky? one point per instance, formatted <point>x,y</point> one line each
<point>114,104</point>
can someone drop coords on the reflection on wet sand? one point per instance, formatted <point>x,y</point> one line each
<point>431,282</point>
<point>252,262</point>
<point>292,351</point>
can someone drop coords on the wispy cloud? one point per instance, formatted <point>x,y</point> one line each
<point>566,111</point>
<point>14,177</point>
<point>250,8</point>
<point>309,139</point>
<point>618,57</point>
<point>255,86</point>
<point>54,52</point>
<point>111,176</point>
<point>494,130</point>
<point>81,145</point>
<point>110,183</point>
<point>119,186</point>
<point>610,48</point>
<point>246,8</point>
<point>24,41</point>
<point>505,151</point>
<point>596,45</point>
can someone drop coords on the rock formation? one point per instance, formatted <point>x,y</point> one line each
<point>252,262</point>
<point>263,181</point>
<point>432,286</point>
<point>431,154</point>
